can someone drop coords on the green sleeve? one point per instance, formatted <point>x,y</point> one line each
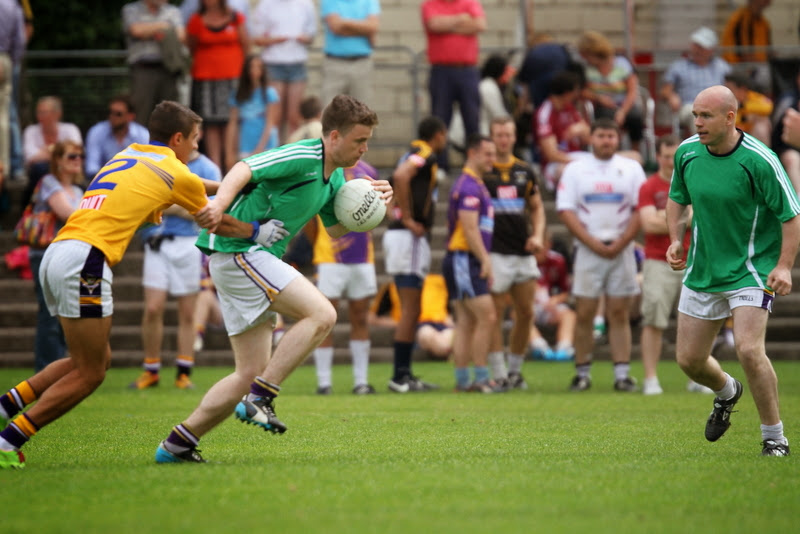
<point>778,191</point>
<point>677,186</point>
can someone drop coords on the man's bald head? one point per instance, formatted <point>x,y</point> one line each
<point>718,97</point>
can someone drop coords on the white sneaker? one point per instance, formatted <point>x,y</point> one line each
<point>651,387</point>
<point>198,343</point>
<point>694,387</point>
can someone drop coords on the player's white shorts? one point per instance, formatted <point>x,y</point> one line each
<point>176,268</point>
<point>406,254</point>
<point>247,283</point>
<point>76,280</point>
<point>511,269</point>
<point>595,275</point>
<point>352,281</point>
<point>713,306</point>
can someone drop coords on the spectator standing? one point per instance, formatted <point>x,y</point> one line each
<point>152,27</point>
<point>735,183</point>
<point>467,267</point>
<point>519,223</point>
<point>40,138</point>
<point>350,30</point>
<point>254,109</point>
<point>612,85</point>
<point>748,27</point>
<point>597,199</point>
<point>660,284</point>
<point>107,138</point>
<point>451,29</point>
<point>346,270</point>
<point>561,131</point>
<point>60,192</point>
<point>12,46</point>
<point>218,40</point>
<point>285,29</point>
<point>172,266</point>
<point>689,75</point>
<point>406,242</point>
<point>190,7</point>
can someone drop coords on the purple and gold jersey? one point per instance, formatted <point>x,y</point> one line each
<point>511,185</point>
<point>469,194</point>
<point>422,187</point>
<point>353,247</point>
<point>132,189</point>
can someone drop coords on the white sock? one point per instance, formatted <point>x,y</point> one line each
<point>728,390</point>
<point>359,349</point>
<point>6,446</point>
<point>540,343</point>
<point>515,363</point>
<point>774,432</point>
<point>497,362</point>
<point>3,413</point>
<point>622,370</point>
<point>323,359</point>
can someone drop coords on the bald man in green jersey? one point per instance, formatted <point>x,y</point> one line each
<point>745,234</point>
<point>280,191</point>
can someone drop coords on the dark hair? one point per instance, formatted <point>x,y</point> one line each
<point>310,107</point>
<point>564,82</point>
<point>201,7</point>
<point>344,112</point>
<point>429,127</point>
<point>169,118</point>
<point>245,89</point>
<point>605,124</point>
<point>494,67</point>
<point>739,79</point>
<point>476,140</point>
<point>666,140</point>
<point>125,99</point>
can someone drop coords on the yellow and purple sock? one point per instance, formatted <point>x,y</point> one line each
<point>16,399</point>
<point>19,431</point>
<point>184,364</point>
<point>262,388</point>
<point>152,365</point>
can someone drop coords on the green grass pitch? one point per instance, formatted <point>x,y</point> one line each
<point>544,460</point>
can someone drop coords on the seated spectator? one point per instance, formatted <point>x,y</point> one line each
<point>748,27</point>
<point>311,111</point>
<point>108,137</point>
<point>494,76</point>
<point>562,133</point>
<point>689,75</point>
<point>59,192</point>
<point>789,154</point>
<point>254,108</point>
<point>612,85</point>
<point>754,108</point>
<point>218,40</point>
<point>434,333</point>
<point>550,306</point>
<point>40,138</point>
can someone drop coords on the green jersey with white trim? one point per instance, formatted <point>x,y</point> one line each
<point>288,184</point>
<point>740,201</point>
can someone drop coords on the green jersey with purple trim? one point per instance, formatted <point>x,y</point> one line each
<point>288,185</point>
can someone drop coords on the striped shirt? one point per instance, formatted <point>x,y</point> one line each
<point>689,78</point>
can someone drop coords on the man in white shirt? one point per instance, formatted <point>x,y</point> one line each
<point>597,199</point>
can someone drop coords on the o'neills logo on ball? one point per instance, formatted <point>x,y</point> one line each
<point>364,210</point>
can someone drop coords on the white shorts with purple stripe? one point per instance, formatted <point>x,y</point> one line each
<point>713,306</point>
<point>247,283</point>
<point>76,280</point>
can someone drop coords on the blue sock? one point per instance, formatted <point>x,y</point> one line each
<point>481,374</point>
<point>462,377</point>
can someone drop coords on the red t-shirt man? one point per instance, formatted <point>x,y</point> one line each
<point>655,192</point>
<point>451,48</point>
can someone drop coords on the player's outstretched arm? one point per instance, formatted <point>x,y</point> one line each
<point>231,184</point>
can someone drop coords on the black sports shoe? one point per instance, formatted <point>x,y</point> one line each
<point>627,384</point>
<point>774,448</point>
<point>580,383</point>
<point>719,420</point>
<point>363,389</point>
<point>324,390</point>
<point>259,412</point>
<point>163,456</point>
<point>516,381</point>
<point>416,384</point>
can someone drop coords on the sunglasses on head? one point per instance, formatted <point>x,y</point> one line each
<point>73,156</point>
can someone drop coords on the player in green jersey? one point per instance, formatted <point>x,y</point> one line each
<point>280,190</point>
<point>745,235</point>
